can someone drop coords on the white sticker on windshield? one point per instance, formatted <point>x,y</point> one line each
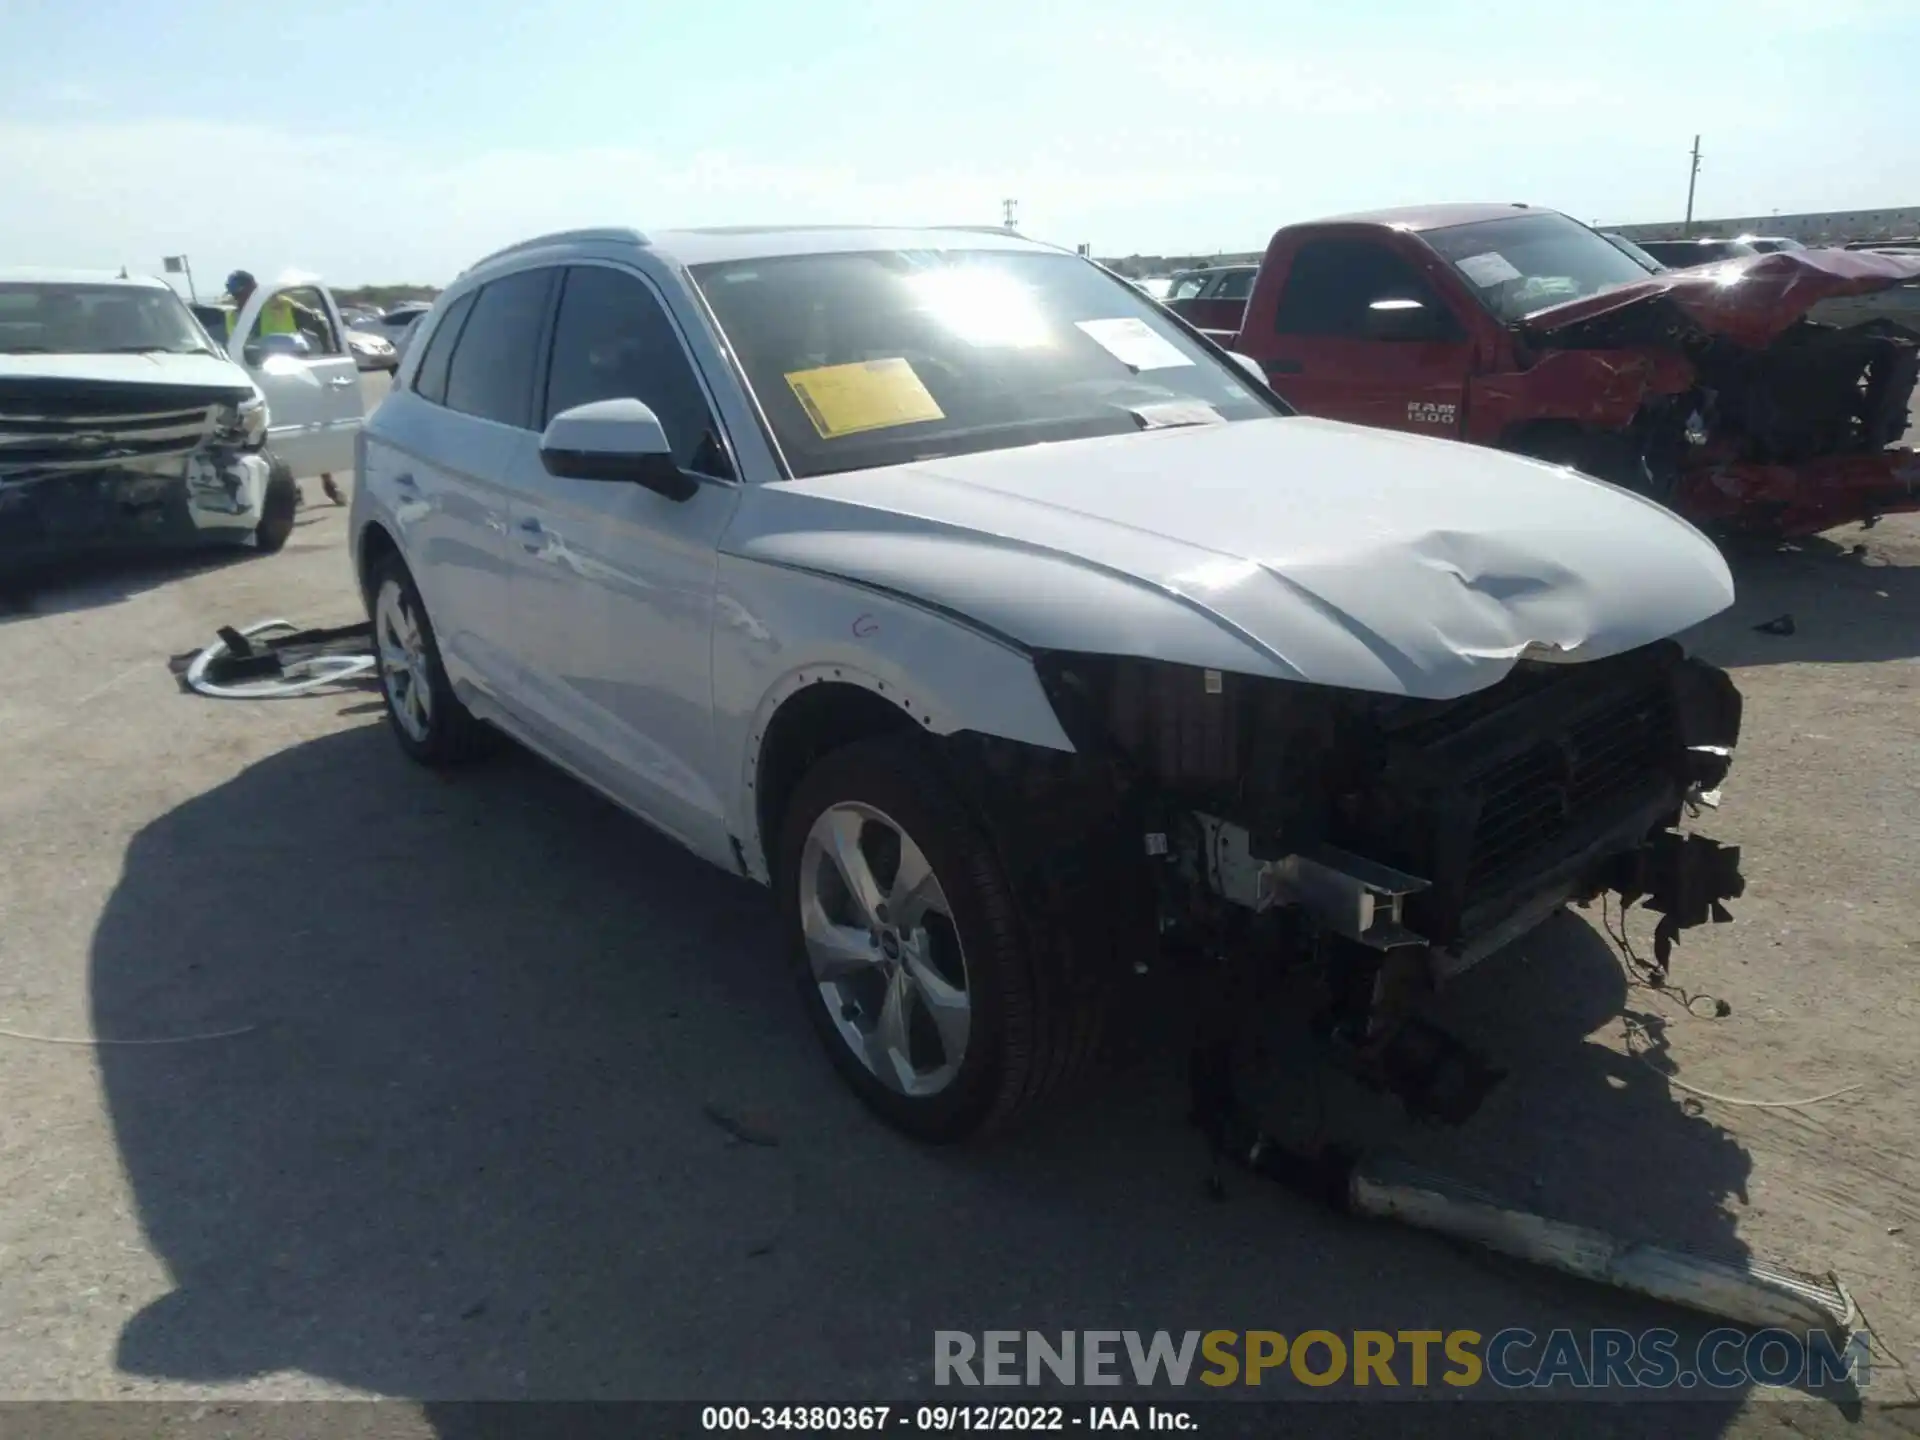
<point>1134,343</point>
<point>1489,269</point>
<point>1165,414</point>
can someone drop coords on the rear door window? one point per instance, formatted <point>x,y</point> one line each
<point>494,364</point>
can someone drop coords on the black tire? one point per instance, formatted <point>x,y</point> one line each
<point>277,509</point>
<point>451,735</point>
<point>1012,1058</point>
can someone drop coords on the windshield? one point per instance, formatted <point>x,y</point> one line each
<point>873,358</point>
<point>62,319</point>
<point>1529,262</point>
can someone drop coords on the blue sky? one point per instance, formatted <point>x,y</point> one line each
<point>398,141</point>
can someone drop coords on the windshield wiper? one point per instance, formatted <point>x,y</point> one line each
<point>144,350</point>
<point>26,350</point>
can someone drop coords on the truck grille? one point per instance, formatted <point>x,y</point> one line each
<point>44,442</point>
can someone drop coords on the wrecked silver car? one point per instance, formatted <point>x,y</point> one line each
<point>123,426</point>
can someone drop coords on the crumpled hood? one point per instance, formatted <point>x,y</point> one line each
<point>1300,548</point>
<point>1749,300</point>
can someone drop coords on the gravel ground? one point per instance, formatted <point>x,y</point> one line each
<point>466,1146</point>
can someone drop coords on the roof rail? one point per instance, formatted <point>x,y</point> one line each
<point>620,234</point>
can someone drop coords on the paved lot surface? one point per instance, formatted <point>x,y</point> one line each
<point>465,1145</point>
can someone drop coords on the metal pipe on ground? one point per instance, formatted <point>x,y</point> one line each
<point>1751,1293</point>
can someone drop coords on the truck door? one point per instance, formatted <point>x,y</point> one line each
<point>1361,335</point>
<point>310,379</point>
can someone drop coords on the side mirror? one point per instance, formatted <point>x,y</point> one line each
<point>261,347</point>
<point>1400,319</point>
<point>615,440</point>
<point>1250,365</point>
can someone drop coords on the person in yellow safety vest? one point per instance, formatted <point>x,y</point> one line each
<point>279,316</point>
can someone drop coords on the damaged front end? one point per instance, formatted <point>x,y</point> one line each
<point>88,466</point>
<point>1390,843</point>
<point>1782,423</point>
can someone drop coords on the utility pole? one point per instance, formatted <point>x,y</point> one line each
<point>1693,174</point>
<point>1006,211</point>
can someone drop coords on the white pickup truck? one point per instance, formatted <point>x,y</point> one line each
<point>125,424</point>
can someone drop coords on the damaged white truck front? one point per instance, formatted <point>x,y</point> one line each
<point>124,425</point>
<point>1024,644</point>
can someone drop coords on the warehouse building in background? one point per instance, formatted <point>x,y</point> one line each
<point>1827,228</point>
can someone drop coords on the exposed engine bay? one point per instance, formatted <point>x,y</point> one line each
<point>1391,843</point>
<point>88,465</point>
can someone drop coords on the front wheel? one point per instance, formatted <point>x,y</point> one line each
<point>277,507</point>
<point>907,946</point>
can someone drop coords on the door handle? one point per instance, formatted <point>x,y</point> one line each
<point>405,481</point>
<point>533,536</point>
<point>1285,367</point>
<point>340,382</point>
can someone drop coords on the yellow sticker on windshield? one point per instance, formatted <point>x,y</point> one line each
<point>867,395</point>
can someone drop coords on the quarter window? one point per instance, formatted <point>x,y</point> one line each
<point>430,381</point>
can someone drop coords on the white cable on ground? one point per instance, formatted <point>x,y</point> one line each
<point>1746,1104</point>
<point>1630,1028</point>
<point>300,677</point>
<point>100,1040</point>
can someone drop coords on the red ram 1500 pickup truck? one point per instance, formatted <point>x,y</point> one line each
<point>1707,389</point>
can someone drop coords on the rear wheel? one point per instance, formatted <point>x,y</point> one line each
<point>430,723</point>
<point>907,946</point>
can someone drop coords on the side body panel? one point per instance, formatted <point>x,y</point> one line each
<point>779,629</point>
<point>432,478</point>
<point>610,629</point>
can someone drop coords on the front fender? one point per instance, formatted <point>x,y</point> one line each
<point>779,629</point>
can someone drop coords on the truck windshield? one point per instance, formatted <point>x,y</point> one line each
<point>1528,262</point>
<point>44,317</point>
<point>870,358</point>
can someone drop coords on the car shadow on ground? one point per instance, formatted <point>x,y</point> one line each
<point>521,1105</point>
<point>97,581</point>
<point>1838,607</point>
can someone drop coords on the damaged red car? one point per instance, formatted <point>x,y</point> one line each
<point>1719,391</point>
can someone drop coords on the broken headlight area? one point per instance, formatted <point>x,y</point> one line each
<point>241,425</point>
<point>1395,842</point>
